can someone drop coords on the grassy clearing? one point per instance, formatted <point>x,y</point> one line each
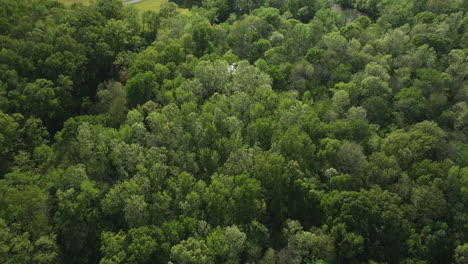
<point>144,5</point>
<point>74,1</point>
<point>154,5</point>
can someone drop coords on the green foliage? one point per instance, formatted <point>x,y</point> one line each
<point>461,254</point>
<point>313,55</point>
<point>202,34</point>
<point>191,251</point>
<point>265,131</point>
<point>409,147</point>
<point>141,88</point>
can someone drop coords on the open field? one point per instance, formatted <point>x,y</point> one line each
<point>154,5</point>
<point>74,1</point>
<point>144,5</point>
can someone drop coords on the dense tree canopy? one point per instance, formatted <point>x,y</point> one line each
<point>246,131</point>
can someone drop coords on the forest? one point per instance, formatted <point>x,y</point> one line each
<point>241,131</point>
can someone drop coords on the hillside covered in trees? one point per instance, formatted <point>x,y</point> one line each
<point>266,131</point>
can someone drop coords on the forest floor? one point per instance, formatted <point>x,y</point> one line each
<point>143,5</point>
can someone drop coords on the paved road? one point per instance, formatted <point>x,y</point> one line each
<point>131,2</point>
